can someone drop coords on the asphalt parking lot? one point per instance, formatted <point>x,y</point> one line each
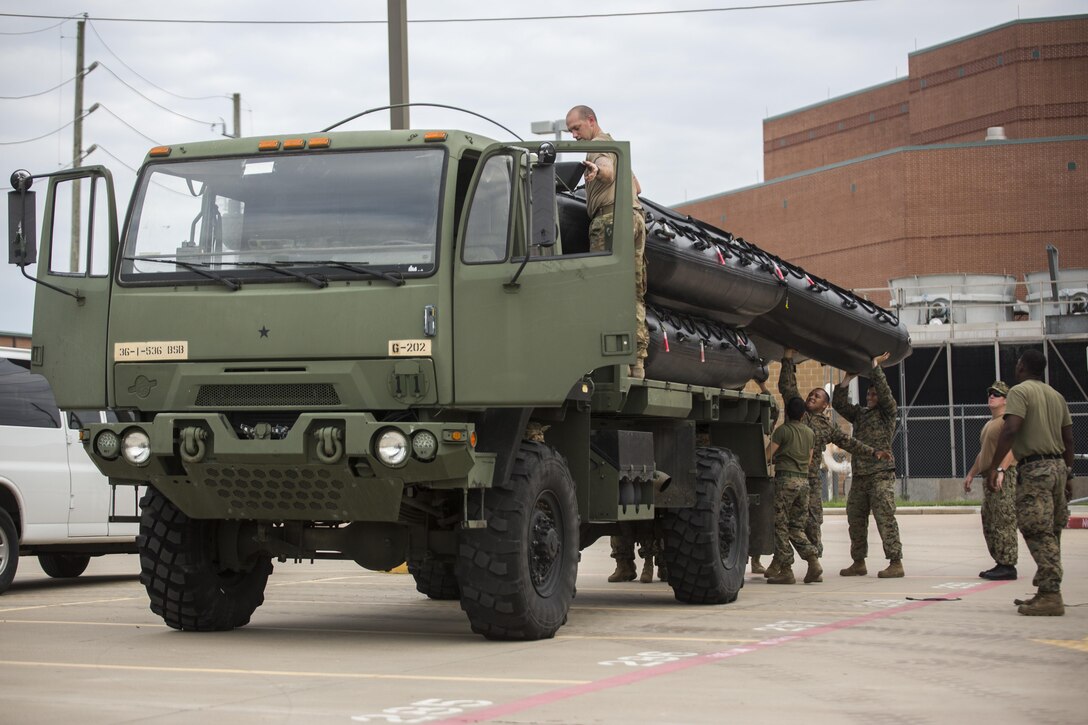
<point>337,644</point>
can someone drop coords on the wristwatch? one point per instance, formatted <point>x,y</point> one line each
<point>1000,469</point>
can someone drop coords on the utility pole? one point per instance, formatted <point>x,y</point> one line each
<point>398,63</point>
<point>77,146</point>
<point>237,98</point>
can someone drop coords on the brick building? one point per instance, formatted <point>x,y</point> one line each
<point>898,179</point>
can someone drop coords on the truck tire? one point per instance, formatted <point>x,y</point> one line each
<point>706,546</point>
<point>435,577</point>
<point>178,567</point>
<point>9,550</point>
<point>64,566</point>
<point>517,575</point>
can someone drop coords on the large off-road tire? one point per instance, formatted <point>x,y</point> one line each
<point>178,566</point>
<point>9,550</point>
<point>706,546</point>
<point>64,566</point>
<point>435,577</point>
<point>517,575</point>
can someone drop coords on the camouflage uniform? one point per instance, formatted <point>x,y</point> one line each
<point>873,485</point>
<point>824,432</point>
<point>601,207</point>
<point>1041,508</point>
<point>999,520</point>
<point>998,507</point>
<point>791,492</point>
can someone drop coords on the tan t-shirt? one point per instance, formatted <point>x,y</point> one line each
<point>601,194</point>
<point>988,440</point>
<point>1045,413</point>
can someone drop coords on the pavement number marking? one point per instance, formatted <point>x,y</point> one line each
<point>956,585</point>
<point>422,711</point>
<point>882,603</point>
<point>788,625</point>
<point>647,659</point>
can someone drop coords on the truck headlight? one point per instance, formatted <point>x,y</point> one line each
<point>107,445</point>
<point>424,445</point>
<point>391,447</point>
<point>136,447</point>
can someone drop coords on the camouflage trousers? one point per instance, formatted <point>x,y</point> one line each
<point>791,514</point>
<point>815,515</point>
<point>873,493</point>
<point>600,240</point>
<point>641,533</point>
<point>1042,512</point>
<point>999,520</point>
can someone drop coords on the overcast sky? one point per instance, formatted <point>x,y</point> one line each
<point>688,90</point>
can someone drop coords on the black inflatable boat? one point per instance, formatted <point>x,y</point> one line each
<point>687,349</point>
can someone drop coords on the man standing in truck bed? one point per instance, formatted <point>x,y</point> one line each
<point>873,486</point>
<point>600,176</point>
<point>825,432</point>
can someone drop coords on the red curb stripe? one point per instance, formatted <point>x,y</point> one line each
<point>565,693</point>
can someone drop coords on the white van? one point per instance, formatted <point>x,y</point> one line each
<point>53,502</point>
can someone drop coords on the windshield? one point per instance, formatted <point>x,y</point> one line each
<point>342,213</point>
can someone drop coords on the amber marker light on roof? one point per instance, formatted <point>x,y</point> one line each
<point>320,142</point>
<point>271,145</point>
<point>159,151</point>
<point>293,144</point>
<point>434,136</point>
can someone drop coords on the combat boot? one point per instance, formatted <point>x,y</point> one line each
<point>1046,604</point>
<point>815,571</point>
<point>1031,600</point>
<point>757,567</point>
<point>662,574</point>
<point>894,570</point>
<point>647,570</point>
<point>625,571</point>
<point>784,576</point>
<point>774,569</point>
<point>855,569</point>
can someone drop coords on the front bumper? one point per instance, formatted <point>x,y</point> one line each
<point>323,469</point>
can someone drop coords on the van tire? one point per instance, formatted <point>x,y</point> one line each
<point>706,546</point>
<point>517,575</point>
<point>64,566</point>
<point>179,569</point>
<point>9,550</point>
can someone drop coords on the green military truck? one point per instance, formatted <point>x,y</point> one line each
<point>330,346</point>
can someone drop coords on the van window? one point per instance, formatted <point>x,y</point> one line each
<point>25,398</point>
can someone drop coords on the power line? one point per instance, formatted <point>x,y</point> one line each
<point>145,80</point>
<point>131,127</point>
<point>154,102</point>
<point>54,131</point>
<point>40,93</point>
<point>40,30</point>
<point>587,16</point>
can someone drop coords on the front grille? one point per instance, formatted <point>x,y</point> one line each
<point>305,490</point>
<point>267,395</point>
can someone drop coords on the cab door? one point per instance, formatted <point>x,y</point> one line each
<point>527,341</point>
<point>78,246</point>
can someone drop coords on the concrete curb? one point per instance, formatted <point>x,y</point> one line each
<point>917,510</point>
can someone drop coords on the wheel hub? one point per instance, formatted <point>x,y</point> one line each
<point>545,547</point>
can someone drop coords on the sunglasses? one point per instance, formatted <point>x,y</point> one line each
<point>996,395</point>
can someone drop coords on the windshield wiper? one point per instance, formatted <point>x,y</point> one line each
<point>282,267</point>
<point>396,279</point>
<point>197,267</point>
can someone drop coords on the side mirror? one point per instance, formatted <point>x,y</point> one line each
<point>22,221</point>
